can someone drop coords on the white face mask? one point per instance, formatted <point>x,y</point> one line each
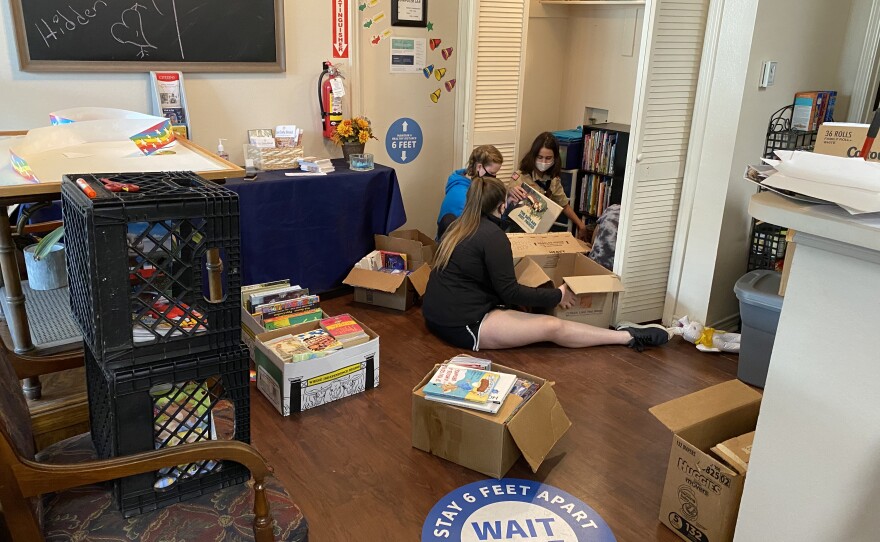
<point>544,166</point>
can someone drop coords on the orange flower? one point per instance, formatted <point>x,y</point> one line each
<point>363,137</point>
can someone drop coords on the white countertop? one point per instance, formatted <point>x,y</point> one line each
<point>828,221</point>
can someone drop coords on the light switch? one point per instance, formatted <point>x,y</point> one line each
<point>768,74</point>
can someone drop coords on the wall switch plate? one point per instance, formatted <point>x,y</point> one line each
<point>768,74</point>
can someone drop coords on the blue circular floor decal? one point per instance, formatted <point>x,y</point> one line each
<point>513,509</point>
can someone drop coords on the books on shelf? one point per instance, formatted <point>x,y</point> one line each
<point>263,297</point>
<point>345,330</point>
<point>812,108</point>
<point>600,146</point>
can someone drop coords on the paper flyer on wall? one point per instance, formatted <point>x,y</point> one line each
<point>407,55</point>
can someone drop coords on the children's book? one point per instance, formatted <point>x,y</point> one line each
<point>502,388</point>
<point>319,340</point>
<point>536,213</point>
<point>464,360</point>
<point>454,382</point>
<point>345,329</point>
<point>273,296</point>
<point>393,260</point>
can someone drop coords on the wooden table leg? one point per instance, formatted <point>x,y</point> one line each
<point>17,317</point>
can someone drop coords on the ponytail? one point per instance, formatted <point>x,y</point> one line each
<point>484,195</point>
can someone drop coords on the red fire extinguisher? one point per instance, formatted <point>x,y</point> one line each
<point>330,93</point>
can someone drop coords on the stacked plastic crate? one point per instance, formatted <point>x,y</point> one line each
<point>153,265</point>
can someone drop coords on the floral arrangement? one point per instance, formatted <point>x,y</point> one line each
<point>355,130</point>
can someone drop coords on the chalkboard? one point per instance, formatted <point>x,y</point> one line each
<point>144,35</point>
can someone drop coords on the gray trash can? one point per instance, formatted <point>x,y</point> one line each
<point>759,306</point>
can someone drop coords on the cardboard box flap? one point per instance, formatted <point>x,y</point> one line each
<point>538,428</point>
<point>539,244</point>
<point>594,284</point>
<point>529,273</point>
<point>419,278</point>
<point>429,246</point>
<point>374,280</point>
<point>690,410</point>
<point>413,249</point>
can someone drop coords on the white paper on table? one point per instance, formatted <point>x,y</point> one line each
<point>305,174</point>
<point>854,200</point>
<point>832,170</point>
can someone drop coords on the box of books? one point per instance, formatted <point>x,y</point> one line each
<point>702,492</point>
<point>273,305</point>
<point>392,275</point>
<point>594,286</point>
<point>307,365</point>
<point>528,420</point>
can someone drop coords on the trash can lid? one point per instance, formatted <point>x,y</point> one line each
<point>760,287</point>
<point>568,136</point>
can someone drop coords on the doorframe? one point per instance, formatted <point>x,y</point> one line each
<point>464,74</point>
<point>699,122</point>
<point>867,79</point>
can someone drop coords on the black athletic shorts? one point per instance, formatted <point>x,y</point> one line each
<point>461,336</point>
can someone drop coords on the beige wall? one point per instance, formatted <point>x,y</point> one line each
<point>813,65</point>
<point>227,105</point>
<point>388,97</point>
<point>578,56</point>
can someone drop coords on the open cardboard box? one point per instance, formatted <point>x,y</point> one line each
<point>593,285</point>
<point>396,291</point>
<point>251,327</point>
<point>490,443</point>
<point>544,248</point>
<point>300,385</point>
<point>702,493</point>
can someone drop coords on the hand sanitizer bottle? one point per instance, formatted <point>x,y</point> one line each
<point>221,152</point>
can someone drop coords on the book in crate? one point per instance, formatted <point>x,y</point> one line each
<point>157,257</point>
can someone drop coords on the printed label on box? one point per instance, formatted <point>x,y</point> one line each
<point>269,387</point>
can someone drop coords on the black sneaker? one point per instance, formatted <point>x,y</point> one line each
<point>645,335</point>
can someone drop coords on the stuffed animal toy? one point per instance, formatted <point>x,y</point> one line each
<point>707,339</point>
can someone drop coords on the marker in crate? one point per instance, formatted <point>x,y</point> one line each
<point>84,186</point>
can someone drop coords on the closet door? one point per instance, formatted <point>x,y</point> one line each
<point>669,67</point>
<point>497,39</point>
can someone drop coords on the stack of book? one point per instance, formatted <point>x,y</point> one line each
<point>314,165</point>
<point>279,304</point>
<point>302,346</point>
<point>344,329</point>
<point>469,388</point>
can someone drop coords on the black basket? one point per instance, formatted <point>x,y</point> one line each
<point>780,135</point>
<point>153,406</point>
<point>137,266</point>
<point>768,247</point>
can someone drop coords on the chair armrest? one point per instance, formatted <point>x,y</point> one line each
<point>37,478</point>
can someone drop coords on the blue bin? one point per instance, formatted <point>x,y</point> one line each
<point>759,307</point>
<point>571,147</point>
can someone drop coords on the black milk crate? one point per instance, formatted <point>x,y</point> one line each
<point>137,264</point>
<point>767,250</point>
<point>146,407</point>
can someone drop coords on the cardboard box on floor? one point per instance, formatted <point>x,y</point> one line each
<point>301,385</point>
<point>390,290</point>
<point>593,285</point>
<point>490,443</point>
<point>251,327</point>
<point>701,495</point>
<point>544,248</point>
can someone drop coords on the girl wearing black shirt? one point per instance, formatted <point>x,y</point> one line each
<point>473,281</point>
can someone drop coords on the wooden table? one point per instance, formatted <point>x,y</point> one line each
<point>31,360</point>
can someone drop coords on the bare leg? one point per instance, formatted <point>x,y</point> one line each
<point>510,328</point>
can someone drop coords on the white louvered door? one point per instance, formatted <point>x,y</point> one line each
<point>496,78</point>
<point>669,68</point>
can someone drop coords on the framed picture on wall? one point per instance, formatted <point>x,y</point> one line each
<point>409,13</point>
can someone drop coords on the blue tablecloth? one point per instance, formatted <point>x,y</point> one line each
<point>313,229</point>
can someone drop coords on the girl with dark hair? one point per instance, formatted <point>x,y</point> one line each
<point>473,281</point>
<point>540,168</point>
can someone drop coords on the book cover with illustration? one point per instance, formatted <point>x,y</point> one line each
<point>319,340</point>
<point>393,260</point>
<point>462,383</point>
<point>536,213</point>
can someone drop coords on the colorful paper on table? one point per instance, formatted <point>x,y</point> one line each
<point>154,138</point>
<point>22,167</point>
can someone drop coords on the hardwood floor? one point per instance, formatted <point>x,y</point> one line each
<point>350,466</point>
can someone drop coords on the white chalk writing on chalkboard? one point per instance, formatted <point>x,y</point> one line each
<point>130,29</point>
<point>68,24</point>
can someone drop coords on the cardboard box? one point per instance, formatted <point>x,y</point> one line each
<point>396,291</point>
<point>490,443</point>
<point>701,495</point>
<point>544,248</point>
<point>593,285</point>
<point>301,385</point>
<point>845,139</point>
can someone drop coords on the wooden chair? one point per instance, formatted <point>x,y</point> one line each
<point>54,494</point>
